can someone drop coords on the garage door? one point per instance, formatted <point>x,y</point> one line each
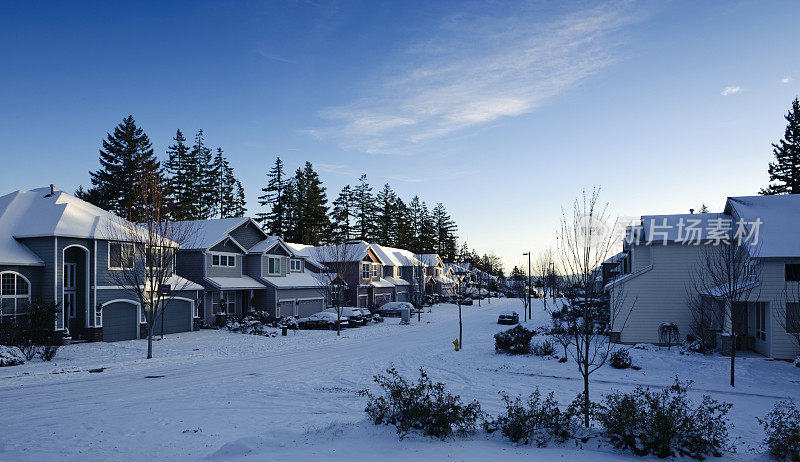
<point>309,307</point>
<point>120,322</point>
<point>402,296</point>
<point>177,317</point>
<point>285,308</point>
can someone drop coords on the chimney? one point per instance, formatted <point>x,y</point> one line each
<point>52,191</point>
<point>691,211</point>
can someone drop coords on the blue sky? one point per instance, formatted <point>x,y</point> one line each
<point>503,111</point>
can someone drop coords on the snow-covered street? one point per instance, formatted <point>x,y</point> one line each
<point>220,395</point>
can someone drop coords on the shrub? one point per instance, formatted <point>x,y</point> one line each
<point>10,356</point>
<point>544,348</point>
<point>33,333</point>
<point>782,426</point>
<point>425,406</point>
<point>538,421</point>
<point>514,341</point>
<point>620,359</point>
<point>665,423</point>
<point>668,334</point>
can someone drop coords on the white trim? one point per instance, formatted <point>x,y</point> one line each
<point>15,296</point>
<point>228,236</point>
<point>55,280</point>
<point>191,310</point>
<point>108,255</point>
<point>94,289</point>
<point>125,300</point>
<point>270,273</point>
<point>88,289</point>
<point>310,298</point>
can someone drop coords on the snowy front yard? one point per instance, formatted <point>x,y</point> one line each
<point>220,395</point>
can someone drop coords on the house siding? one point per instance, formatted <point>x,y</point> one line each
<point>247,235</point>
<point>223,271</point>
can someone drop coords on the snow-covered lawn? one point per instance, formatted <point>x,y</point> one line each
<point>219,395</point>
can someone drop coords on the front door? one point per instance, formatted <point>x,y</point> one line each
<point>70,308</point>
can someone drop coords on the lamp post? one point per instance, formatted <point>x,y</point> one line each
<point>529,284</point>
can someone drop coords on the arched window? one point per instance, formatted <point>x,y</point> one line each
<point>15,294</point>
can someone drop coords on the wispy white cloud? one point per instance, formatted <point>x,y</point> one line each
<point>786,79</point>
<point>731,90</point>
<point>475,70</point>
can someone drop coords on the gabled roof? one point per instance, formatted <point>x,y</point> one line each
<point>681,228</point>
<point>208,233</point>
<point>780,221</point>
<point>308,252</point>
<point>269,243</point>
<point>352,251</point>
<point>430,259</point>
<point>37,213</point>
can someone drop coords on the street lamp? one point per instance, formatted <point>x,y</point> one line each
<point>529,284</point>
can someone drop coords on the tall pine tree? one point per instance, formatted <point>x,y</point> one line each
<point>445,236</point>
<point>126,158</point>
<point>341,213</point>
<point>784,173</point>
<point>310,209</point>
<point>275,220</point>
<point>179,179</point>
<point>386,219</point>
<point>364,205</point>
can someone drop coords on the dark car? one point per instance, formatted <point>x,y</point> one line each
<point>508,317</point>
<point>466,301</point>
<point>322,320</point>
<point>352,314</point>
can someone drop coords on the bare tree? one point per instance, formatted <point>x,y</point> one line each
<point>701,309</point>
<point>147,250</point>
<point>339,261</point>
<point>545,274</point>
<point>728,272</point>
<point>584,243</point>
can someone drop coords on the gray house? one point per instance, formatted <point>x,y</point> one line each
<point>54,247</point>
<point>244,270</point>
<point>654,272</point>
<point>396,268</point>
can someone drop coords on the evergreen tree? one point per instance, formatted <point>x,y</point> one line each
<point>200,169</point>
<point>274,222</point>
<point>386,219</point>
<point>227,187</point>
<point>517,274</point>
<point>427,233</point>
<point>444,235</point>
<point>405,236</point>
<point>703,208</point>
<point>341,228</point>
<point>364,203</point>
<point>179,180</point>
<point>784,173</point>
<point>126,158</point>
<point>291,214</point>
<point>310,207</point>
<point>239,207</point>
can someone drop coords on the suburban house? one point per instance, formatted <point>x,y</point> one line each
<point>360,268</point>
<point>658,261</point>
<point>292,290</point>
<point>434,274</point>
<point>55,247</point>
<point>243,270</point>
<point>393,272</point>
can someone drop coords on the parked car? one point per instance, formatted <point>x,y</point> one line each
<point>322,320</point>
<point>508,317</point>
<point>351,313</point>
<point>366,314</point>
<point>393,309</point>
<point>466,301</point>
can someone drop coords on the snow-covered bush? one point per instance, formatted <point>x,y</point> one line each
<point>514,341</point>
<point>645,347</point>
<point>545,348</point>
<point>537,421</point>
<point>620,359</point>
<point>251,326</point>
<point>665,423</point>
<point>668,334</point>
<point>425,406</point>
<point>782,426</point>
<point>797,361</point>
<point>290,323</point>
<point>33,334</point>
<point>10,356</point>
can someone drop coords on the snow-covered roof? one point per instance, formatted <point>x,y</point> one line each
<point>208,233</point>
<point>382,282</point>
<point>780,220</point>
<point>352,251</point>
<point>405,257</point>
<point>386,254</point>
<point>398,281</point>
<point>269,243</point>
<point>302,280</point>
<point>181,283</point>
<point>37,213</point>
<point>238,283</point>
<point>309,252</point>
<point>684,228</point>
<point>429,259</point>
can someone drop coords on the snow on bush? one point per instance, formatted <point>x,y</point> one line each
<point>645,346</point>
<point>782,426</point>
<point>290,323</point>
<point>425,406</point>
<point>537,421</point>
<point>665,423</point>
<point>10,356</point>
<point>251,326</point>
<point>514,341</point>
<point>620,359</point>
<point>545,348</point>
<point>797,361</point>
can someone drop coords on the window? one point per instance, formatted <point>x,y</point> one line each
<point>793,272</point>
<point>793,318</point>
<point>295,264</point>
<point>223,260</point>
<point>274,266</point>
<point>120,255</point>
<point>374,270</point>
<point>365,271</point>
<point>15,294</point>
<point>223,302</point>
<point>761,320</point>
<point>396,271</point>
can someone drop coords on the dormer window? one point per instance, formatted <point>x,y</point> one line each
<point>374,270</point>
<point>396,271</point>
<point>365,271</point>
<point>295,264</point>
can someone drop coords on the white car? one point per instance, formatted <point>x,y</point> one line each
<point>393,309</point>
<point>352,314</point>
<point>322,320</point>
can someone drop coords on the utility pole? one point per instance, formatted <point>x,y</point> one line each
<point>528,290</point>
